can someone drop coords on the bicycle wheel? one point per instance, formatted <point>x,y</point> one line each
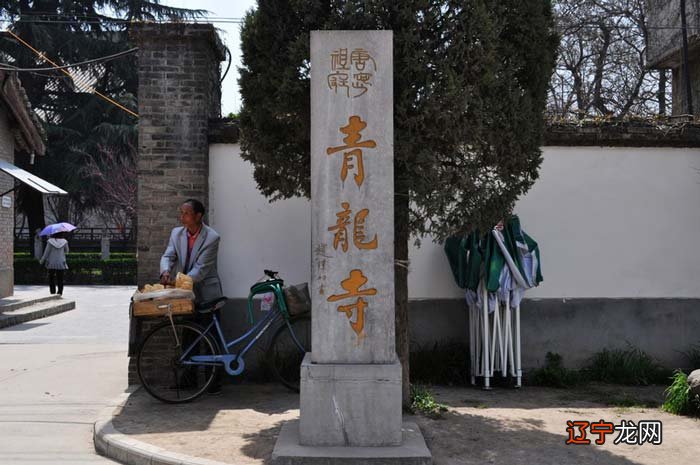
<point>287,350</point>
<point>159,367</point>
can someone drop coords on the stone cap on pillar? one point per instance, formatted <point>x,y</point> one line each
<point>223,131</point>
<point>140,32</point>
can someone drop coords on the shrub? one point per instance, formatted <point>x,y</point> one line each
<point>631,366</point>
<point>83,268</point>
<point>553,374</point>
<point>678,399</point>
<point>422,401</point>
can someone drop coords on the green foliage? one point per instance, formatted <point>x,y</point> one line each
<point>678,398</point>
<point>83,268</point>
<point>422,401</point>
<point>470,81</point>
<point>630,366</point>
<point>445,364</point>
<point>554,374</point>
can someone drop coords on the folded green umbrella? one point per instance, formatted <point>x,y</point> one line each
<point>466,271</point>
<point>455,249</point>
<point>474,256</point>
<point>513,233</point>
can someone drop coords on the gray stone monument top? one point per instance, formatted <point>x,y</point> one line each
<point>352,188</point>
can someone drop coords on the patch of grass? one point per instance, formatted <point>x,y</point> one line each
<point>627,401</point>
<point>444,364</point>
<point>553,374</point>
<point>631,366</point>
<point>422,401</point>
<point>678,398</point>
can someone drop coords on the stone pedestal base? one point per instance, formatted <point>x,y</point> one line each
<point>350,404</point>
<point>412,451</point>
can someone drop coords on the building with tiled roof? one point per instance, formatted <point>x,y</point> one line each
<point>20,131</point>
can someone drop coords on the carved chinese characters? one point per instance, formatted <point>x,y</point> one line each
<point>340,229</point>
<point>352,285</point>
<point>353,141</point>
<point>351,73</point>
<point>352,159</point>
<point>352,192</point>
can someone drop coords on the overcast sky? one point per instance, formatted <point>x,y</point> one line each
<point>230,35</point>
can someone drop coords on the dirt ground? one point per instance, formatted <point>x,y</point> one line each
<point>504,426</point>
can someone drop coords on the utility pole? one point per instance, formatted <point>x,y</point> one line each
<point>686,70</point>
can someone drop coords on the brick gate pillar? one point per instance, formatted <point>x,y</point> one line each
<point>179,91</point>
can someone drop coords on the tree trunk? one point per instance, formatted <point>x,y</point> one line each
<point>401,236</point>
<point>598,101</point>
<point>580,95</point>
<point>662,92</point>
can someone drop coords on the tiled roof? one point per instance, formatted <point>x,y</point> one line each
<point>28,129</point>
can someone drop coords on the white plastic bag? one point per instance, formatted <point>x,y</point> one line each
<point>267,301</point>
<point>164,294</point>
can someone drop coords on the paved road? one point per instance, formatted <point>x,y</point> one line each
<point>58,373</point>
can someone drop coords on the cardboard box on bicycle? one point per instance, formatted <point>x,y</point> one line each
<point>161,302</point>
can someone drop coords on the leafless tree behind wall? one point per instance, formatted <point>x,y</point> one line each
<point>115,175</point>
<point>601,67</point>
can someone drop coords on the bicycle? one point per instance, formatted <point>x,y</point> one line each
<point>178,360</point>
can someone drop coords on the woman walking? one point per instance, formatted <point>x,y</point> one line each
<point>55,260</point>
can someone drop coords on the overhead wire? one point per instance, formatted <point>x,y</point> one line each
<point>56,66</point>
<point>97,15</point>
<point>236,20</point>
<point>121,21</point>
<point>8,67</point>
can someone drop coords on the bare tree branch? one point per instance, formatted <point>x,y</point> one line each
<point>601,67</point>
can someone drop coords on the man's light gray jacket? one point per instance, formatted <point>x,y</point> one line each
<point>202,266</point>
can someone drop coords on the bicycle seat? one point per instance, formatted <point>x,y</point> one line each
<point>271,274</point>
<point>209,306</point>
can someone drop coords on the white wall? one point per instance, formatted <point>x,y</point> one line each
<point>255,234</point>
<point>611,222</point>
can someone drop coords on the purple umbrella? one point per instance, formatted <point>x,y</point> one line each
<point>52,229</point>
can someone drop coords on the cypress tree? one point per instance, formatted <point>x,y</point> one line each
<point>470,81</point>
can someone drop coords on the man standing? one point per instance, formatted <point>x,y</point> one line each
<point>192,250</point>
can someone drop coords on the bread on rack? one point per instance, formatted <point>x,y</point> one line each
<point>152,287</point>
<point>182,281</point>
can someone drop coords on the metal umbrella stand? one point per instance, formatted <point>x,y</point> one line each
<point>495,270</point>
<point>494,341</point>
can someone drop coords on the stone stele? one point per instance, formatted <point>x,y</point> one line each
<point>351,380</point>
